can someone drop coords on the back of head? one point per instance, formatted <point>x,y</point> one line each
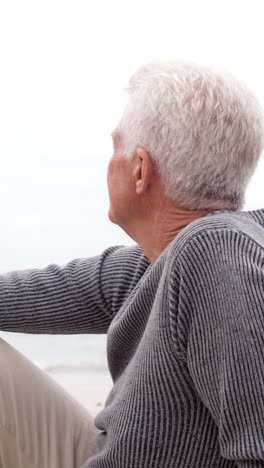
<point>202,128</point>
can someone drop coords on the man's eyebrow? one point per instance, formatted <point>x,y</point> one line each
<point>113,134</point>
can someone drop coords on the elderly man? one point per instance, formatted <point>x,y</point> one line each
<point>183,309</point>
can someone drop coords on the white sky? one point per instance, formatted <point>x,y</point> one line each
<point>63,65</point>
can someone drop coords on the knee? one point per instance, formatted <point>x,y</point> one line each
<point>10,359</point>
<point>5,348</point>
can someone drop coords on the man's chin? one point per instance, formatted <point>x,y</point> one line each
<point>111,216</point>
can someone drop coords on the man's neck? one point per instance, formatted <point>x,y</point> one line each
<point>157,233</point>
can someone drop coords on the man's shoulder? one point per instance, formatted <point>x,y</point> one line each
<point>248,222</point>
<point>218,225</point>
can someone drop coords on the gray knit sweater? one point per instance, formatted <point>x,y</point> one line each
<point>185,342</point>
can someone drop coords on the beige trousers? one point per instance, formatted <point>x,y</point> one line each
<point>41,426</point>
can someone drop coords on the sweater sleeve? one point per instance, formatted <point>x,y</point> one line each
<point>81,297</point>
<point>221,337</point>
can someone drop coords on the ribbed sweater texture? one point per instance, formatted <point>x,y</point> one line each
<point>185,342</point>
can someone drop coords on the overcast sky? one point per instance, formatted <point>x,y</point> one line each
<point>63,66</point>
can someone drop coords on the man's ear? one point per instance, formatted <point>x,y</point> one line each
<point>143,170</point>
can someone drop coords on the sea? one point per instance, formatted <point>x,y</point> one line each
<point>54,210</point>
<point>62,353</point>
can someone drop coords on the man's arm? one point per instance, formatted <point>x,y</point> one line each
<point>221,326</point>
<point>81,297</point>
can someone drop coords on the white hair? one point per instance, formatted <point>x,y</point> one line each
<point>202,128</point>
